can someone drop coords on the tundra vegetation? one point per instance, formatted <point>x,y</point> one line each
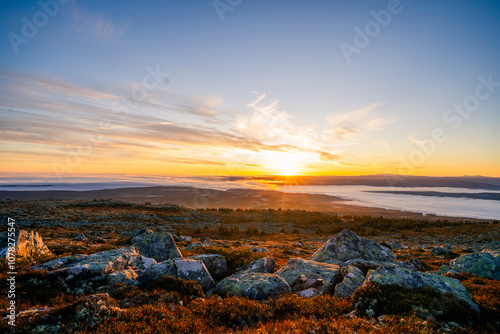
<point>321,289</point>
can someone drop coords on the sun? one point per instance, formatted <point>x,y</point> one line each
<point>288,169</point>
<point>287,163</point>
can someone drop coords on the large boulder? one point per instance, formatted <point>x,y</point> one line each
<point>98,263</point>
<point>140,234</point>
<point>215,263</point>
<point>165,268</point>
<point>390,275</point>
<point>194,270</point>
<point>125,276</point>
<point>484,264</point>
<point>159,246</point>
<point>353,278</point>
<point>262,265</point>
<point>347,245</point>
<point>28,245</point>
<point>253,285</point>
<point>301,274</point>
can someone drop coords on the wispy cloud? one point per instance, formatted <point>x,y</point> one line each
<point>359,122</point>
<point>94,25</point>
<point>49,118</point>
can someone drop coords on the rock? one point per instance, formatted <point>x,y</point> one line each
<point>126,276</point>
<point>143,262</point>
<point>260,250</point>
<point>440,251</point>
<point>301,274</point>
<point>159,246</point>
<point>413,264</point>
<point>253,285</point>
<point>139,234</point>
<point>346,246</point>
<point>98,263</point>
<point>308,293</point>
<point>262,265</point>
<point>392,245</point>
<point>484,264</point>
<point>353,278</point>
<point>28,245</point>
<point>196,245</point>
<point>165,268</point>
<point>194,270</point>
<point>408,279</point>
<point>184,238</point>
<point>444,268</point>
<point>364,265</point>
<point>80,237</point>
<point>215,263</point>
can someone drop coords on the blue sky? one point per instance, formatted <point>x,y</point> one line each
<point>266,90</point>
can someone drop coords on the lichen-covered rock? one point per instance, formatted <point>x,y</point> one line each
<point>165,268</point>
<point>301,274</point>
<point>408,279</point>
<point>484,264</point>
<point>347,245</point>
<point>140,233</point>
<point>98,263</point>
<point>143,262</point>
<point>262,265</point>
<point>194,270</point>
<point>413,264</point>
<point>440,251</point>
<point>159,246</point>
<point>28,245</point>
<point>353,278</point>
<point>392,245</point>
<point>126,276</point>
<point>80,237</point>
<point>260,250</point>
<point>444,268</point>
<point>253,285</point>
<point>308,293</point>
<point>215,263</point>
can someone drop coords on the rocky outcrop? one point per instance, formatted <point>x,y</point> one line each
<point>301,274</point>
<point>262,265</point>
<point>392,245</point>
<point>408,279</point>
<point>126,277</point>
<point>140,233</point>
<point>346,246</point>
<point>353,278</point>
<point>194,270</point>
<point>484,264</point>
<point>159,246</point>
<point>162,269</point>
<point>28,245</point>
<point>215,263</point>
<point>98,263</point>
<point>440,251</point>
<point>253,285</point>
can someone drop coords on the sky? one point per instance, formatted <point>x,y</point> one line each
<point>240,87</point>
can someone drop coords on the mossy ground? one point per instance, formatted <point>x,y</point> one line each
<point>180,307</point>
